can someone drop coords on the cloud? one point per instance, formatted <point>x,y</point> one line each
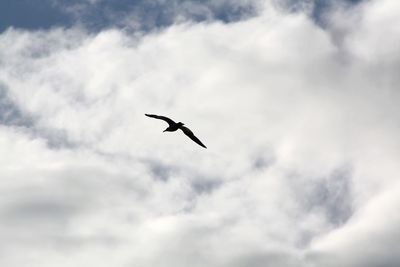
<point>301,124</point>
<point>373,229</point>
<point>148,16</point>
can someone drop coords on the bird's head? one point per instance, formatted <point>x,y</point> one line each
<point>180,123</point>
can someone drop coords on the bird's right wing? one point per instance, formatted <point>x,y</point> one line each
<point>168,120</point>
<point>191,135</point>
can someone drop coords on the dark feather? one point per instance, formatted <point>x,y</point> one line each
<point>191,135</point>
<point>168,120</point>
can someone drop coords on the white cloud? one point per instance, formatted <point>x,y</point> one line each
<point>301,124</point>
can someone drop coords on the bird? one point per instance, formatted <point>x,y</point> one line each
<point>173,126</point>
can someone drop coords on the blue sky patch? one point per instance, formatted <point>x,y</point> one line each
<point>31,15</point>
<point>138,15</point>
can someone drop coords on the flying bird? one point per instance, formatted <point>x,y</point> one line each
<point>173,126</point>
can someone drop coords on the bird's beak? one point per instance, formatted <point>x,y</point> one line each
<point>164,131</point>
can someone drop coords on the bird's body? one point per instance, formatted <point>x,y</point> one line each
<point>173,126</point>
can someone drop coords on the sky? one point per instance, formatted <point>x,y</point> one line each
<point>296,101</point>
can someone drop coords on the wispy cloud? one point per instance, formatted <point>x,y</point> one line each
<point>148,16</point>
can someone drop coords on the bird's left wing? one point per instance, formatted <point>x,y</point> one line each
<point>168,120</point>
<point>191,135</point>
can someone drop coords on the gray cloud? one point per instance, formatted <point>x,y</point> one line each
<point>10,114</point>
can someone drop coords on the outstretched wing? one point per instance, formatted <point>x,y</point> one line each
<point>168,120</point>
<point>190,134</point>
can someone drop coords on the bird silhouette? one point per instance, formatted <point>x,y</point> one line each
<point>173,126</point>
